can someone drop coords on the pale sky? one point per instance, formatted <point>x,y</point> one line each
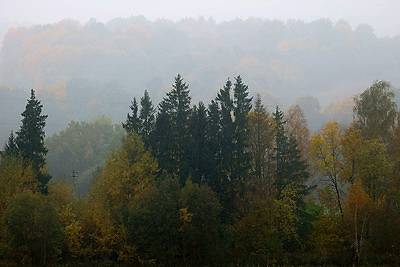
<point>382,15</point>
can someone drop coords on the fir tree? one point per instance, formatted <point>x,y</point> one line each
<point>132,123</point>
<point>161,138</point>
<point>200,156</point>
<point>214,179</point>
<point>225,102</point>
<point>171,131</point>
<point>233,158</point>
<point>241,109</point>
<point>146,117</point>
<point>11,147</point>
<point>289,166</point>
<point>30,139</point>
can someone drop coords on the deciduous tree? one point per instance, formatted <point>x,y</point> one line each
<point>375,112</point>
<point>326,155</point>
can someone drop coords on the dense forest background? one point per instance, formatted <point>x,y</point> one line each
<point>82,71</point>
<point>117,162</point>
<point>222,183</point>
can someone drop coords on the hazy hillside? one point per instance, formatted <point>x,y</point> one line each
<point>82,71</point>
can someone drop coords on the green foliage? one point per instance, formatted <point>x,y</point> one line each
<point>374,168</point>
<point>329,240</point>
<point>214,145</point>
<point>231,190</point>
<point>376,112</point>
<point>173,118</point>
<point>11,147</point>
<point>226,126</point>
<point>255,238</point>
<point>132,121</point>
<point>200,160</point>
<point>241,109</point>
<point>201,231</point>
<point>30,139</point>
<point>153,222</point>
<point>146,117</point>
<point>290,168</point>
<point>82,147</point>
<point>127,171</point>
<point>261,141</point>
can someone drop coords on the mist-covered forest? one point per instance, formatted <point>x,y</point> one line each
<point>276,144</point>
<point>222,183</point>
<point>86,70</point>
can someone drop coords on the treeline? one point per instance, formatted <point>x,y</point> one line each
<point>224,183</point>
<point>318,58</point>
<point>85,70</point>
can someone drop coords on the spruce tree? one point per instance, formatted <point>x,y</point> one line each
<point>161,138</point>
<point>30,139</point>
<point>200,155</point>
<point>172,127</point>
<point>146,117</point>
<point>225,102</point>
<point>214,178</point>
<point>289,166</point>
<point>132,123</point>
<point>241,109</point>
<point>233,156</point>
<point>11,147</point>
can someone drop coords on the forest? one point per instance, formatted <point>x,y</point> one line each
<point>81,71</point>
<point>229,182</point>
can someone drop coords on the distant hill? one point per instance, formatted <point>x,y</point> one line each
<point>85,70</point>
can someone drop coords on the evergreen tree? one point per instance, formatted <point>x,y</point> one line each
<point>225,102</point>
<point>261,141</point>
<point>173,120</point>
<point>241,109</point>
<point>234,158</point>
<point>161,138</point>
<point>11,147</point>
<point>289,166</point>
<point>146,117</point>
<point>132,123</point>
<point>200,156</point>
<point>30,139</point>
<point>214,179</point>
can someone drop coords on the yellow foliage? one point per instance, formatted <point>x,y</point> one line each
<point>356,214</point>
<point>351,142</point>
<point>328,235</point>
<point>60,195</point>
<point>185,216</point>
<point>127,172</point>
<point>14,179</point>
<point>74,239</point>
<point>325,149</point>
<point>286,217</point>
<point>98,230</point>
<point>358,201</point>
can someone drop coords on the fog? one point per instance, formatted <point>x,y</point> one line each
<point>382,15</point>
<point>90,58</point>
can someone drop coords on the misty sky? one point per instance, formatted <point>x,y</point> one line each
<point>382,15</point>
